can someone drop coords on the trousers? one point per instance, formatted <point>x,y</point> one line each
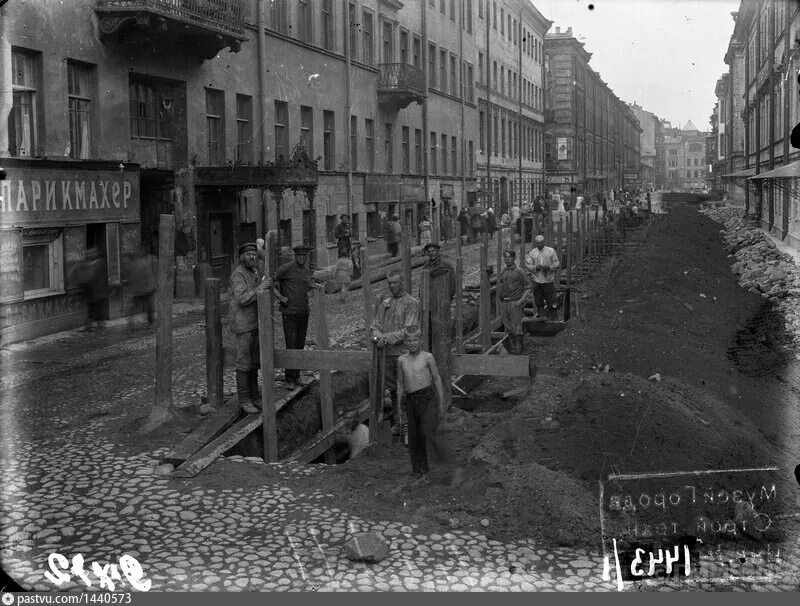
<point>294,333</point>
<point>248,356</point>
<point>423,419</point>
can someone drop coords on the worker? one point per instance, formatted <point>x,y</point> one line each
<point>542,263</point>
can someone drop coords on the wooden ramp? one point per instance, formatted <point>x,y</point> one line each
<point>219,433</point>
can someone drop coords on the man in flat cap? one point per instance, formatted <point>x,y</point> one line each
<point>439,267</point>
<point>246,282</point>
<point>342,235</point>
<point>294,285</point>
<point>542,263</point>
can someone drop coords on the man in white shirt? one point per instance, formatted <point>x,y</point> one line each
<point>542,263</point>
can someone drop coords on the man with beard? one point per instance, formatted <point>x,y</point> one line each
<point>247,281</point>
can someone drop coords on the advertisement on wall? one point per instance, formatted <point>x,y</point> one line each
<point>561,143</point>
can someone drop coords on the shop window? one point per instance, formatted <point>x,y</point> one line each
<point>42,262</point>
<point>373,225</point>
<point>23,123</point>
<point>151,108</point>
<point>330,229</point>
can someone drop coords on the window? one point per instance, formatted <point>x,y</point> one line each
<point>503,137</point>
<point>369,143</point>
<point>42,261</point>
<point>508,30</point>
<point>494,74</point>
<point>304,20</point>
<point>431,65</point>
<point>353,143</point>
<point>470,96</point>
<point>330,229</point>
<point>453,75</point>
<point>373,224</point>
<point>453,155</point>
<point>278,15</point>
<point>281,129</point>
<point>286,232</point>
<point>495,131</point>
<point>470,158</point>
<point>406,152</point>
<point>469,14</point>
<point>353,34</point>
<point>502,22</point>
<point>388,146</point>
<point>22,121</point>
<point>432,155</point>
<point>494,14</point>
<point>388,42</point>
<point>80,89</point>
<point>215,124</point>
<point>416,53</point>
<point>481,131</point>
<point>444,154</point>
<point>307,129</point>
<point>327,25</point>
<point>442,5</point>
<point>502,80</point>
<point>366,37</point>
<point>480,9</point>
<point>418,150</point>
<point>452,10</point>
<point>328,139</point>
<point>150,108</point>
<point>244,129</point>
<point>403,46</point>
<point>481,75</point>
<point>443,70</point>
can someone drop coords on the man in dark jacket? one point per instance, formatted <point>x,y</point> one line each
<point>342,235</point>
<point>294,284</point>
<point>393,235</point>
<point>246,283</point>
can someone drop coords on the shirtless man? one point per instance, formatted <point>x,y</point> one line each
<point>417,375</point>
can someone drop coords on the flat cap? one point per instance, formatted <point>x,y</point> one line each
<point>243,248</point>
<point>302,249</point>
<point>435,245</point>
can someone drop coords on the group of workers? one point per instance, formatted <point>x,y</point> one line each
<point>411,376</point>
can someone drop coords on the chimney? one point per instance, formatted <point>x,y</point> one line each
<point>558,30</point>
<point>569,31</point>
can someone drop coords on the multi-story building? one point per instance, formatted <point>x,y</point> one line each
<point>510,157</point>
<point>763,57</point>
<point>120,111</point>
<point>592,137</point>
<point>650,139</point>
<point>685,157</point>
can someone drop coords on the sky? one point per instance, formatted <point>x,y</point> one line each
<point>666,55</point>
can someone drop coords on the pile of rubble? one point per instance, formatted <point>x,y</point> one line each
<point>761,267</point>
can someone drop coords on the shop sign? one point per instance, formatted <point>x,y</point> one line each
<point>631,176</point>
<point>558,178</point>
<point>445,190</point>
<point>33,195</point>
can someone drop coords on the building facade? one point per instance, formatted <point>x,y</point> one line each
<point>592,138</point>
<point>184,103</point>
<point>651,146</point>
<point>510,87</point>
<point>686,166</point>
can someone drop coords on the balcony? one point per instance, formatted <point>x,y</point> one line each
<point>204,27</point>
<point>400,85</point>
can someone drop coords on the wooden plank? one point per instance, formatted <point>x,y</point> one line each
<point>162,405</point>
<point>214,353</point>
<point>424,308</point>
<point>459,297</point>
<point>488,365</point>
<point>522,243</point>
<point>266,342</point>
<point>406,257</point>
<point>441,344</point>
<point>214,425</point>
<point>376,389</point>
<point>216,447</point>
<point>369,301</point>
<point>323,359</point>
<point>517,391</point>
<point>485,300</point>
<point>325,384</point>
<point>324,440</point>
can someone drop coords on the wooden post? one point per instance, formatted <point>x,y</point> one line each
<point>559,248</point>
<point>459,298</point>
<point>376,389</point>
<point>522,243</point>
<point>214,355</point>
<point>406,257</point>
<point>439,308</point>
<point>162,404</point>
<point>325,383</point>
<point>485,303</point>
<point>570,255</point>
<point>277,198</point>
<point>424,307</point>
<point>369,302</point>
<point>266,343</point>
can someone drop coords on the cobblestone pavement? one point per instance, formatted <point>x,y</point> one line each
<point>67,486</point>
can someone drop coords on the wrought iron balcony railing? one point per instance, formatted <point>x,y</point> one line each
<point>402,78</point>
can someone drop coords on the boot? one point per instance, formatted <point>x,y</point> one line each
<point>512,344</point>
<point>519,345</point>
<point>243,392</point>
<point>255,394</point>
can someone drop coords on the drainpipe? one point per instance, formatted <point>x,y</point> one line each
<point>6,96</point>
<point>489,116</point>
<point>462,23</point>
<point>262,95</point>
<point>520,182</point>
<point>348,111</point>
<point>425,133</point>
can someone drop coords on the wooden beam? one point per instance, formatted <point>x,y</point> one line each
<point>324,440</point>
<point>485,301</point>
<point>162,405</point>
<point>488,365</point>
<point>369,301</point>
<point>323,359</point>
<point>406,256</point>
<point>376,389</point>
<point>459,296</point>
<point>211,427</point>
<point>214,352</point>
<point>441,345</point>
<point>266,343</point>
<point>325,383</point>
